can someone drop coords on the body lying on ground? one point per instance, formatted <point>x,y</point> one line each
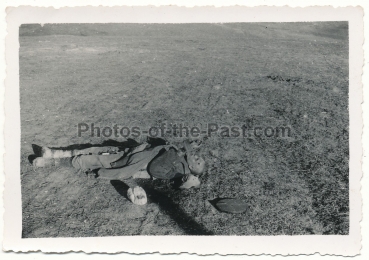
<point>144,161</point>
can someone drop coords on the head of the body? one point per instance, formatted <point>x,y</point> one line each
<point>196,164</point>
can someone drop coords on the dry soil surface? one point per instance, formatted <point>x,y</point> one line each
<point>292,75</point>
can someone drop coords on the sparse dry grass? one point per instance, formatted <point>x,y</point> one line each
<point>294,75</point>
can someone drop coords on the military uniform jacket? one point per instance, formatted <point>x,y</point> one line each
<point>168,165</point>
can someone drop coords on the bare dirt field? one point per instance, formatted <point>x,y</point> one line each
<point>292,75</point>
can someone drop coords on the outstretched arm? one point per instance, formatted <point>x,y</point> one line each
<point>191,146</point>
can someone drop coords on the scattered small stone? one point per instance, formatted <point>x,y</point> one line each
<point>336,90</point>
<point>214,153</point>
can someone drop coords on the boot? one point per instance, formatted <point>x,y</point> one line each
<point>41,162</point>
<point>48,153</point>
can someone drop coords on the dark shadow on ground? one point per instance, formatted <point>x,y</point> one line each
<point>120,187</point>
<point>36,153</point>
<point>185,222</point>
<point>156,141</point>
<point>129,143</point>
<point>36,149</point>
<point>32,157</point>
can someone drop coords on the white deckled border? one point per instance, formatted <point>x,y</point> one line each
<point>338,245</point>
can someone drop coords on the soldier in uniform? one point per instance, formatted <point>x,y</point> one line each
<point>145,161</point>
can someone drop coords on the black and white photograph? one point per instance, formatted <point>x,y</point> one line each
<point>272,99</point>
<point>232,129</point>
